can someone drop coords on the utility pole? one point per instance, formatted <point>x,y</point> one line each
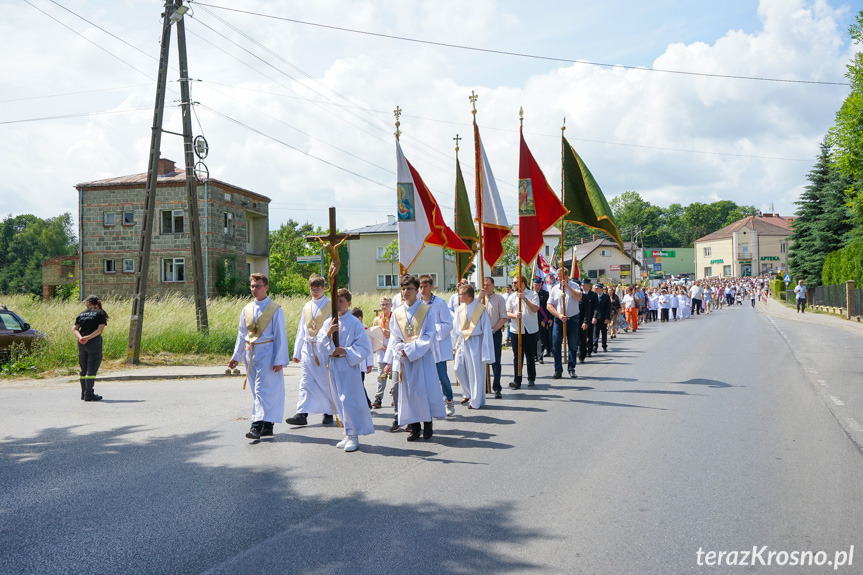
<point>136,321</point>
<point>191,182</point>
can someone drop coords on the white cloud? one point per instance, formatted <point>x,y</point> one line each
<point>796,40</point>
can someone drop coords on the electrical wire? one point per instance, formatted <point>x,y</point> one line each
<point>73,93</point>
<point>145,74</point>
<point>519,54</point>
<point>79,115</point>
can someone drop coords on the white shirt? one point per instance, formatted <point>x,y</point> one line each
<point>555,298</point>
<point>529,321</point>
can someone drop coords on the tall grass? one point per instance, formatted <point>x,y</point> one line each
<point>169,335</point>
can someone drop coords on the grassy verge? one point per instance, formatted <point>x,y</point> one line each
<point>169,335</point>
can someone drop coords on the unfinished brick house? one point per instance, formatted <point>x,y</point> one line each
<point>234,226</point>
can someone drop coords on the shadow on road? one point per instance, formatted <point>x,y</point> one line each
<point>612,404</point>
<point>708,382</point>
<point>117,501</point>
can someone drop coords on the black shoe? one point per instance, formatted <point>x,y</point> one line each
<point>572,374</point>
<point>298,419</point>
<point>595,350</point>
<point>327,419</point>
<point>531,383</point>
<point>557,375</point>
<point>93,397</point>
<point>395,426</point>
<point>498,395</point>
<point>540,360</point>
<point>605,348</point>
<point>267,430</point>
<point>427,430</point>
<point>415,432</point>
<point>515,385</point>
<point>581,359</point>
<point>255,431</point>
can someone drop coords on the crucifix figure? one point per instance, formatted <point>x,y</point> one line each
<point>329,243</point>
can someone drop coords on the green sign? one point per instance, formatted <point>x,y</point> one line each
<point>659,254</point>
<point>717,261</point>
<point>769,258</point>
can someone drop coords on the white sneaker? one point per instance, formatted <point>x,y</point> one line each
<point>341,444</point>
<point>352,443</point>
<point>450,408</point>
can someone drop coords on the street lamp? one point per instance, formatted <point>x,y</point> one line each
<point>178,14</point>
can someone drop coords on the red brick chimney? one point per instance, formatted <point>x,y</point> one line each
<point>166,167</point>
<point>594,237</point>
<point>582,240</point>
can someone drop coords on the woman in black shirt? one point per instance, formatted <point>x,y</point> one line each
<point>88,331</point>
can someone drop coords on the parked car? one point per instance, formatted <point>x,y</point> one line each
<point>15,331</point>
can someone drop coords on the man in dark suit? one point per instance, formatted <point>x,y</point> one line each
<point>585,333</point>
<point>543,347</point>
<point>601,317</point>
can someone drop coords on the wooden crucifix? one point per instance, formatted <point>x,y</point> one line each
<point>329,242</point>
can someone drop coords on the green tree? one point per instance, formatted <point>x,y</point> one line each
<point>25,242</point>
<point>287,276</point>
<point>823,222</point>
<point>846,135</point>
<point>391,254</point>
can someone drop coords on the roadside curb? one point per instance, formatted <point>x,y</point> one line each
<point>165,376</point>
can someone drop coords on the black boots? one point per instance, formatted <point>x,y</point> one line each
<point>427,430</point>
<point>298,419</point>
<point>88,391</point>
<point>267,429</point>
<point>415,431</point>
<point>83,388</point>
<point>255,431</point>
<point>327,419</point>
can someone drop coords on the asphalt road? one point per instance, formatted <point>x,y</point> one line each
<point>721,433</point>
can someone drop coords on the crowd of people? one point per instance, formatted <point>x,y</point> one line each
<point>416,333</point>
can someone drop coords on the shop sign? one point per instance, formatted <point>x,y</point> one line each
<point>659,253</point>
<point>717,261</point>
<point>769,258</point>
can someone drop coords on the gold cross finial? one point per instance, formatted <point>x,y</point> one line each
<point>457,138</point>
<point>397,112</point>
<point>520,117</point>
<point>473,98</point>
<point>563,127</point>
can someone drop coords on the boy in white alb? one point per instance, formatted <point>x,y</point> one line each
<point>344,363</point>
<point>314,391</point>
<point>475,346</point>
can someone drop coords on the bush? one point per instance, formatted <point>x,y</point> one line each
<point>777,288</point>
<point>845,264</point>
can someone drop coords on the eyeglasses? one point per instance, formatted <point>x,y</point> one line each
<point>257,286</point>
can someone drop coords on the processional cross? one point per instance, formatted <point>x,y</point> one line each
<point>329,242</point>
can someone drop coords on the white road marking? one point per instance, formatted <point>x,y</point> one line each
<point>836,400</point>
<point>852,423</point>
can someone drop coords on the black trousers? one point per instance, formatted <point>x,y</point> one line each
<point>663,314</point>
<point>585,338</point>
<point>528,345</point>
<point>90,357</point>
<point>497,338</point>
<point>600,332</point>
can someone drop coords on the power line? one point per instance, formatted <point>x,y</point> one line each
<point>72,93</point>
<point>519,54</point>
<point>79,115</point>
<point>90,41</point>
<point>260,133</point>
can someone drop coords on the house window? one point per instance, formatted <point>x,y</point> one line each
<point>227,197</point>
<point>128,218</point>
<point>387,281</point>
<point>605,253</point>
<point>708,271</point>
<point>380,257</point>
<point>173,270</point>
<point>782,247</point>
<point>707,255</point>
<point>745,248</point>
<point>547,251</point>
<point>726,271</point>
<point>593,274</point>
<point>229,224</point>
<point>172,221</point>
<point>109,218</point>
<point>108,267</point>
<point>128,266</point>
<point>601,272</point>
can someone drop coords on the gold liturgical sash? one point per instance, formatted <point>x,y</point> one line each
<point>411,331</point>
<point>256,328</point>
<point>313,324</point>
<point>467,328</point>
